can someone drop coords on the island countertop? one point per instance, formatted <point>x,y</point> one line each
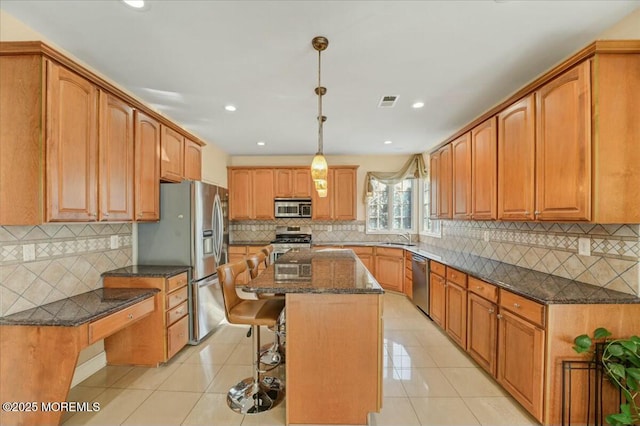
<point>313,271</point>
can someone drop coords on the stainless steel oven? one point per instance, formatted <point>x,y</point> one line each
<point>290,238</point>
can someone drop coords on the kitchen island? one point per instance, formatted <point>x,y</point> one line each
<point>334,335</point>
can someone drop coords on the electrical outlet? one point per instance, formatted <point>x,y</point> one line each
<point>485,236</point>
<point>360,228</point>
<point>114,242</point>
<point>584,246</point>
<point>28,252</point>
<point>329,228</point>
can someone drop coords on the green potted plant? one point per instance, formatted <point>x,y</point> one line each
<point>620,359</point>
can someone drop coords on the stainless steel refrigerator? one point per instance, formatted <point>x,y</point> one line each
<point>193,231</point>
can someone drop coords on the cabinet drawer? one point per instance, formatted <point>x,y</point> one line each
<point>237,249</point>
<point>486,290</point>
<point>457,277</point>
<point>361,250</point>
<point>437,268</point>
<point>177,297</point>
<point>527,309</point>
<point>177,336</point>
<point>176,281</point>
<point>108,325</point>
<point>391,252</point>
<point>176,313</point>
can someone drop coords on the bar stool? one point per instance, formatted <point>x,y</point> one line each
<point>258,393</point>
<point>267,250</point>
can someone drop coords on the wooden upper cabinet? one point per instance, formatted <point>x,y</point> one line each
<point>116,154</point>
<point>283,183</point>
<point>516,160</point>
<point>171,155</point>
<point>344,196</point>
<point>484,185</point>
<point>240,194</point>
<point>322,208</point>
<point>445,177</point>
<point>434,182</point>
<point>563,153</point>
<point>147,168</point>
<point>302,183</point>
<point>192,160</point>
<point>262,183</point>
<point>461,153</point>
<point>71,146</point>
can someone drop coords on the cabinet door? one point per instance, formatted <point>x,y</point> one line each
<point>563,152</point>
<point>437,299</point>
<point>434,181</point>
<point>116,148</point>
<point>521,361</point>
<point>516,161</point>
<point>283,183</point>
<point>240,193</point>
<point>192,160</point>
<point>71,146</point>
<point>147,169</point>
<point>482,332</point>
<point>262,183</point>
<point>322,208</point>
<point>444,183</point>
<point>171,155</point>
<point>456,313</point>
<point>390,272</point>
<point>461,152</point>
<point>344,195</point>
<point>484,152</point>
<point>302,183</point>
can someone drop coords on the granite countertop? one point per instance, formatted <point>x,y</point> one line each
<point>539,286</point>
<point>308,271</point>
<point>250,243</point>
<point>81,308</point>
<point>162,271</point>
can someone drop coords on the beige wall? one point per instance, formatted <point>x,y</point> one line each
<point>367,163</point>
<point>214,165</point>
<point>628,28</point>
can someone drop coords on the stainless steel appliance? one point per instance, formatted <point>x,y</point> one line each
<point>290,238</point>
<point>292,207</point>
<point>420,277</point>
<point>192,231</point>
<point>292,270</point>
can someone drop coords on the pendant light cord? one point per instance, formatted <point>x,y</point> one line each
<point>320,120</point>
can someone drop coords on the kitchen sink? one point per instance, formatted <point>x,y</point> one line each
<point>398,244</point>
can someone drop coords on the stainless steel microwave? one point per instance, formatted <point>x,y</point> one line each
<point>292,207</point>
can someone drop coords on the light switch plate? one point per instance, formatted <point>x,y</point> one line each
<point>329,228</point>
<point>28,252</point>
<point>584,246</point>
<point>486,236</point>
<point>114,242</point>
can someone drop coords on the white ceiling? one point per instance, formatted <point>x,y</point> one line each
<point>190,58</point>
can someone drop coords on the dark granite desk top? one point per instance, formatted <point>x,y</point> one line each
<point>79,309</point>
<point>163,271</point>
<point>308,271</point>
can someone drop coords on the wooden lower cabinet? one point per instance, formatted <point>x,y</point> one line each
<point>456,313</point>
<point>437,298</point>
<point>366,256</point>
<point>389,270</point>
<point>521,361</point>
<point>408,274</point>
<point>482,332</point>
<point>158,337</point>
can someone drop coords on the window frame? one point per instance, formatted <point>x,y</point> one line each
<point>436,229</point>
<point>413,230</point>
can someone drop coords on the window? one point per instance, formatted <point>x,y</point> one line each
<point>390,208</point>
<point>428,226</point>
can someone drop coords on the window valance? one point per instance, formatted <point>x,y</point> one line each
<point>414,168</point>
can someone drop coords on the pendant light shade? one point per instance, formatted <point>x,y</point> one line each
<point>319,166</point>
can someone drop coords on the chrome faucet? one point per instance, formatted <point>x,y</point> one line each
<point>407,236</point>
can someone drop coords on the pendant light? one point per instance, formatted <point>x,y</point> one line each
<point>319,167</point>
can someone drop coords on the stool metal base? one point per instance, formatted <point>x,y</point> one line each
<point>271,356</point>
<point>247,397</point>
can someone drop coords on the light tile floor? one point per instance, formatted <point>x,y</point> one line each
<point>427,381</point>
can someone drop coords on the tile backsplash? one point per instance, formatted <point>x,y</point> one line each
<point>67,260</point>
<point>614,261</point>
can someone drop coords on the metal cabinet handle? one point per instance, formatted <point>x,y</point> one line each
<point>491,310</point>
<point>516,305</point>
<point>139,214</point>
<point>478,288</point>
<point>179,312</point>
<point>536,212</point>
<point>130,316</point>
<point>499,316</point>
<point>527,213</point>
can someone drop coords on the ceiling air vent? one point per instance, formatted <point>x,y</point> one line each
<point>388,101</point>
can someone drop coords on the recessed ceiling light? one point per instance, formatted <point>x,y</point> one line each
<point>136,4</point>
<point>230,108</point>
<point>388,142</point>
<point>261,143</point>
<point>417,105</point>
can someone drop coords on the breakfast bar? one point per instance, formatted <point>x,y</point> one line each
<point>334,335</point>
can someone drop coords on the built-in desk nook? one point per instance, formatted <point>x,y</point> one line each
<point>334,335</point>
<point>39,347</point>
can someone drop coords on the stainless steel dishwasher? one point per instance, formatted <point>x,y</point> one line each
<point>420,277</point>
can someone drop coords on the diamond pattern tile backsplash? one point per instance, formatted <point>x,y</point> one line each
<point>547,247</point>
<point>68,260</point>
